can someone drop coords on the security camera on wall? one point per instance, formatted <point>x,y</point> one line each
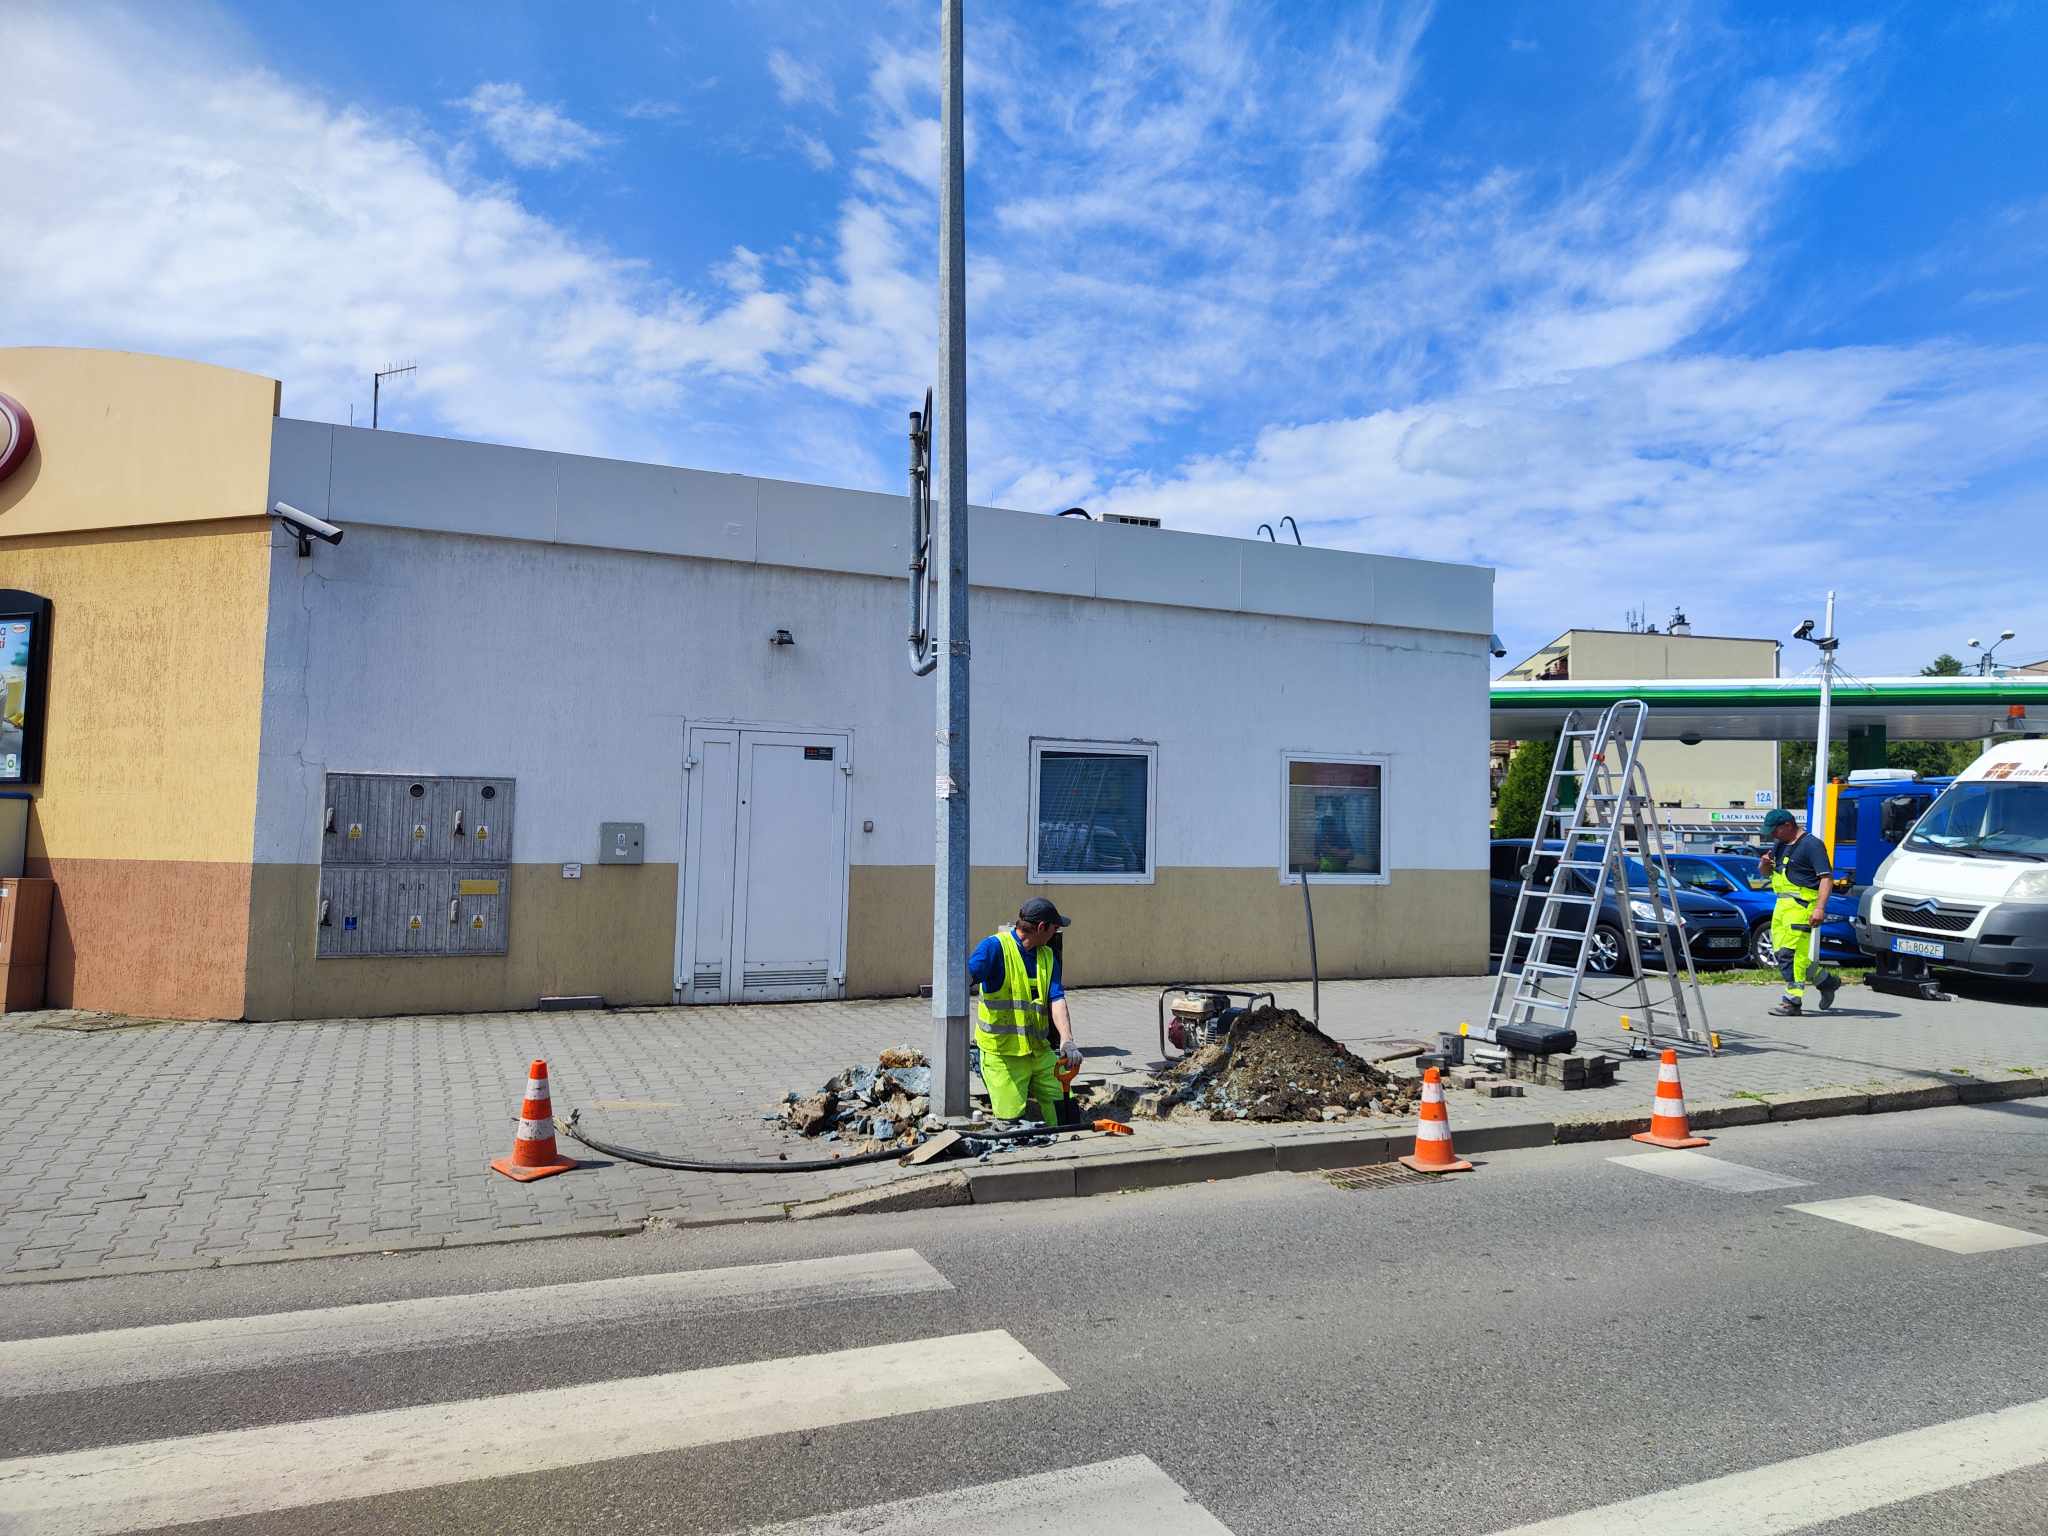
<point>305,525</point>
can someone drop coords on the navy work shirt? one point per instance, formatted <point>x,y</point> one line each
<point>985,965</point>
<point>1804,861</point>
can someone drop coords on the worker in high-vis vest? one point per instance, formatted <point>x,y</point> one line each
<point>1802,875</point>
<point>1022,1028</point>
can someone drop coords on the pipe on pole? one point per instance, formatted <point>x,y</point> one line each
<point>949,558</point>
<point>1816,822</point>
<point>1827,695</point>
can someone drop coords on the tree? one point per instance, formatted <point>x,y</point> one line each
<point>1521,791</point>
<point>1943,665</point>
<point>1795,769</point>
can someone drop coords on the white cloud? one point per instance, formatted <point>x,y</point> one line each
<point>1222,270</point>
<point>799,84</point>
<point>167,197</point>
<point>531,134</point>
<point>816,152</point>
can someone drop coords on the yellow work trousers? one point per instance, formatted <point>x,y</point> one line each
<point>1013,1079</point>
<point>1792,938</point>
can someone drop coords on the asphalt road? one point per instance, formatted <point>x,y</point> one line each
<point>1549,1335</point>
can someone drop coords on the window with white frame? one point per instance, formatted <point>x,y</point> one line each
<point>1091,812</point>
<point>1334,817</point>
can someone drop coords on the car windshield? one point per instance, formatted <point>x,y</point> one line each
<point>1986,819</point>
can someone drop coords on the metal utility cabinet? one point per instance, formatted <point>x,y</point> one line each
<point>24,941</point>
<point>415,865</point>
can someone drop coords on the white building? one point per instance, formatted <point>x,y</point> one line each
<point>520,665</point>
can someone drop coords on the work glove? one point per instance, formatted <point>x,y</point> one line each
<point>1070,1053</point>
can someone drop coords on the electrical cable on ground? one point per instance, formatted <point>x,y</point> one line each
<point>700,1165</point>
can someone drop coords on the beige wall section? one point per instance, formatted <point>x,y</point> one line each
<point>1711,774</point>
<point>139,514</point>
<point>612,933</point>
<point>1600,653</point>
<point>1714,774</point>
<point>156,689</point>
<point>1190,925</point>
<point>124,439</point>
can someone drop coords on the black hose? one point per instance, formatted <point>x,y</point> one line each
<point>699,1165</point>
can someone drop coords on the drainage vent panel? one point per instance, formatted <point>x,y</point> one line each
<point>1373,1177</point>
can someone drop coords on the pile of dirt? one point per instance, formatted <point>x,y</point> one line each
<point>867,1107</point>
<point>1275,1065</point>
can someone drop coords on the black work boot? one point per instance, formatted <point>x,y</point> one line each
<point>1788,1008</point>
<point>1829,985</point>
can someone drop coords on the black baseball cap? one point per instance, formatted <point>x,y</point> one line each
<point>1039,910</point>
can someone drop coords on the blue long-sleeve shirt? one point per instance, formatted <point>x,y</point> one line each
<point>985,965</point>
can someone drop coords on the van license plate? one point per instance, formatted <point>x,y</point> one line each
<point>1723,941</point>
<point>1927,947</point>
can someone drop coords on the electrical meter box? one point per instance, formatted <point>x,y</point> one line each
<point>415,865</point>
<point>621,842</point>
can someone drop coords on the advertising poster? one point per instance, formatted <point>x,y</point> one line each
<point>15,698</point>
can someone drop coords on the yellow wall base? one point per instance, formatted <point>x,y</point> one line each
<point>612,933</point>
<point>1189,925</point>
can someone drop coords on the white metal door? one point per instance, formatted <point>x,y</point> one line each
<point>763,884</point>
<point>789,885</point>
<point>705,897</point>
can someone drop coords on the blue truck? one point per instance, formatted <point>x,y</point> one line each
<point>1870,814</point>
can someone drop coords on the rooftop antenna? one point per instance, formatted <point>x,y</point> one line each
<point>377,387</point>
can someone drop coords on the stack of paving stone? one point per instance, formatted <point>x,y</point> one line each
<point>1486,1084</point>
<point>1579,1070</point>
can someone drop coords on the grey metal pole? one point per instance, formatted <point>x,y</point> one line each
<point>1816,822</point>
<point>951,866</point>
<point>1827,699</point>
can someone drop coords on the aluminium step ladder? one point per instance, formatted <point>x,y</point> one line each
<point>1593,814</point>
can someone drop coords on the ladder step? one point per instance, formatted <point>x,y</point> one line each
<point>1544,968</point>
<point>1541,1002</point>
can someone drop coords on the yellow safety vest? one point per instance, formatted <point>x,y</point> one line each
<point>1016,1018</point>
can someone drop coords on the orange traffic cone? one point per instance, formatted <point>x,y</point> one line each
<point>1433,1152</point>
<point>533,1146</point>
<point>1667,1110</point>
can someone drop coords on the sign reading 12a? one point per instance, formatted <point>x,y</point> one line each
<point>17,435</point>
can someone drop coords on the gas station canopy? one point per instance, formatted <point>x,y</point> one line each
<point>1785,708</point>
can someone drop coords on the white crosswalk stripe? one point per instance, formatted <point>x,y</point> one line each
<point>291,1466</point>
<point>1830,1485</point>
<point>1126,1497</point>
<point>1707,1172</point>
<point>88,1361</point>
<point>1921,1224</point>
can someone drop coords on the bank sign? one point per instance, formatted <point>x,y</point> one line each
<point>17,435</point>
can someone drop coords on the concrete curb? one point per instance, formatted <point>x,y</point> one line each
<point>1880,1098</point>
<point>1162,1168</point>
<point>1166,1167</point>
<point>404,1245</point>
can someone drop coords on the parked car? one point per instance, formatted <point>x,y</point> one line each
<point>1733,878</point>
<point>1715,930</point>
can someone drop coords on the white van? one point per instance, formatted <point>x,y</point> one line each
<point>1968,888</point>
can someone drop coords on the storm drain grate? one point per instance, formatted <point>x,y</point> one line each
<point>1374,1177</point>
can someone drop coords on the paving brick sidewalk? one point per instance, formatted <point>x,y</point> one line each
<point>201,1142</point>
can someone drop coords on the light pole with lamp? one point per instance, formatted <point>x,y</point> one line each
<point>1985,665</point>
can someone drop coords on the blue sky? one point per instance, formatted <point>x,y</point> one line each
<point>1700,305</point>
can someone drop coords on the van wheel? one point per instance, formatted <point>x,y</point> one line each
<point>1606,954</point>
<point>1762,954</point>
